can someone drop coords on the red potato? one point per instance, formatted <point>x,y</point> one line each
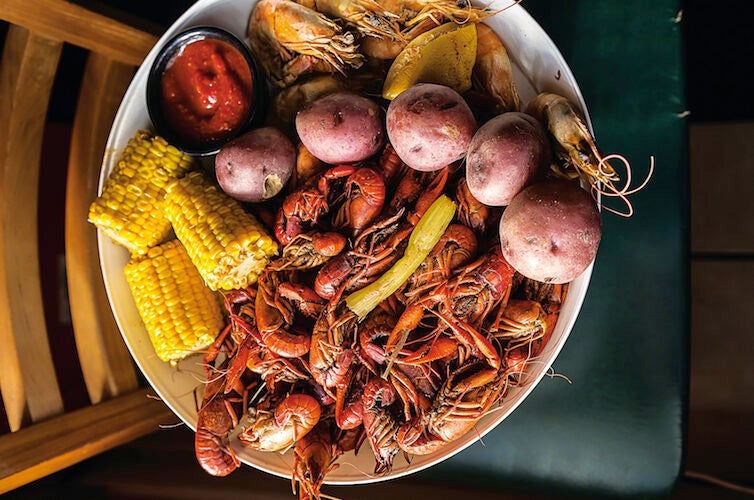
<point>505,155</point>
<point>430,126</point>
<point>550,232</point>
<point>255,166</point>
<point>342,127</point>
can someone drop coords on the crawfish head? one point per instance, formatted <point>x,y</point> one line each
<point>307,251</point>
<point>328,244</point>
<point>333,274</point>
<point>471,212</point>
<point>520,319</point>
<point>365,195</point>
<point>313,457</point>
<point>379,424</point>
<point>278,428</point>
<point>391,166</point>
<point>414,438</point>
<point>305,300</point>
<point>456,247</point>
<point>466,397</point>
<point>349,408</point>
<point>373,332</point>
<point>331,355</point>
<point>481,286</point>
<point>497,273</point>
<point>301,209</point>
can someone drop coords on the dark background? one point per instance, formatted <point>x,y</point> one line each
<point>719,55</point>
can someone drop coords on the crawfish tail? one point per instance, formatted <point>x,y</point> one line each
<point>213,455</point>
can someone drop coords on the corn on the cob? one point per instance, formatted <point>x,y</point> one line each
<point>179,312</point>
<point>228,246</point>
<point>130,208</point>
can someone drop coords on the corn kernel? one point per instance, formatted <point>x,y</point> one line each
<point>129,209</point>
<point>219,245</point>
<point>180,313</point>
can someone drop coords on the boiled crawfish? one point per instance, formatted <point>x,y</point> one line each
<point>216,417</point>
<point>379,423</point>
<point>456,247</point>
<point>331,353</point>
<point>354,196</point>
<point>461,304</point>
<point>277,426</point>
<point>313,458</point>
<point>471,212</point>
<point>215,420</point>
<point>310,250</point>
<point>466,396</point>
<point>416,191</point>
<point>275,319</point>
<point>373,252</point>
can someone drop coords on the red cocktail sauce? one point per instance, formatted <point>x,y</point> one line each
<point>206,91</point>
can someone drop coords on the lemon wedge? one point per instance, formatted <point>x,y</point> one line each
<point>444,55</point>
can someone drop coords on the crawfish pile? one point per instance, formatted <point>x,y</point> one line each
<point>295,367</point>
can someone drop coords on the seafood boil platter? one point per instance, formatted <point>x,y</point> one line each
<point>321,228</point>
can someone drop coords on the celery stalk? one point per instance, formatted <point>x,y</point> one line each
<point>423,238</point>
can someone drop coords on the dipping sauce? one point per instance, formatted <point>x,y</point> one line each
<point>206,91</point>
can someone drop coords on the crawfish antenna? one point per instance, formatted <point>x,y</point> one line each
<point>611,191</point>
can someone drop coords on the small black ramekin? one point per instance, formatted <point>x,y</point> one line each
<point>154,88</point>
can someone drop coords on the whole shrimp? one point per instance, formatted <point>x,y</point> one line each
<point>578,152</point>
<point>413,12</point>
<point>415,17</point>
<point>493,74</point>
<point>290,40</point>
<point>367,16</point>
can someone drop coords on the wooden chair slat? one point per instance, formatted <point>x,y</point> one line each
<point>74,24</point>
<point>27,74</point>
<point>11,380</point>
<point>105,361</point>
<point>48,447</point>
<point>43,439</point>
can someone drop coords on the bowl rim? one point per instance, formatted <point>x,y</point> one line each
<point>154,95</point>
<point>112,257</point>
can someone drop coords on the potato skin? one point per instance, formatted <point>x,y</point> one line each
<point>505,155</point>
<point>550,232</point>
<point>430,126</point>
<point>256,165</point>
<point>342,127</point>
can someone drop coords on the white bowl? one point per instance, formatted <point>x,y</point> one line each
<point>538,66</point>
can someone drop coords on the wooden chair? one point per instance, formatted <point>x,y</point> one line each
<point>43,437</point>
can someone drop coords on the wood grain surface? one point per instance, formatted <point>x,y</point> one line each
<point>28,380</point>
<point>105,361</point>
<point>67,22</point>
